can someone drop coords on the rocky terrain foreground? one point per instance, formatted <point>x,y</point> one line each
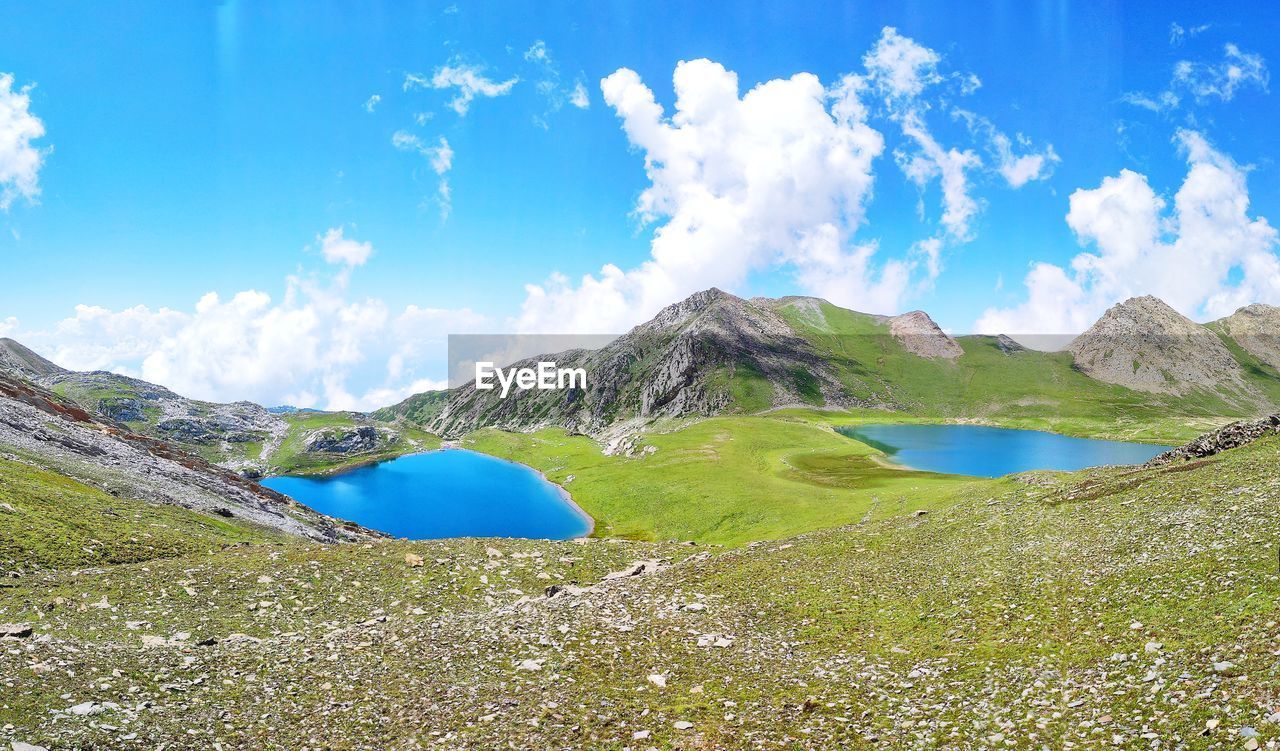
<point>1116,608</point>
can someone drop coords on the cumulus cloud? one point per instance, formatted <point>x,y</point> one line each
<point>439,156</point>
<point>372,102</point>
<point>20,159</point>
<point>8,325</point>
<point>742,182</point>
<point>469,81</point>
<point>778,177</point>
<point>1205,255</point>
<point>339,249</point>
<point>315,346</point>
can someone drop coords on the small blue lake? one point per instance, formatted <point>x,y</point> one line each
<point>982,451</point>
<point>451,493</point>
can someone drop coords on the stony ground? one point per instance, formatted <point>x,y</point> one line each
<point>1109,609</point>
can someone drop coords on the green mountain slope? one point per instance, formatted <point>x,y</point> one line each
<point>51,521</point>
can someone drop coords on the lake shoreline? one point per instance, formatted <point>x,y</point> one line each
<point>563,492</point>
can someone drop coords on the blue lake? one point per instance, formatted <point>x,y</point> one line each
<point>992,452</point>
<point>451,493</point>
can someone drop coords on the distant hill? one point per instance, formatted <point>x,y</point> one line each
<point>241,435</point>
<point>1146,345</point>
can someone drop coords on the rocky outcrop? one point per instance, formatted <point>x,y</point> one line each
<point>38,427</point>
<point>1144,344</point>
<point>1232,436</point>
<point>1007,345</point>
<point>919,335</point>
<point>359,440</point>
<point>1256,328</point>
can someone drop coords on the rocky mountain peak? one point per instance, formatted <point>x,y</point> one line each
<point>1144,344</point>
<point>918,333</point>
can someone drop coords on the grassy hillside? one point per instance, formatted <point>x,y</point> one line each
<point>1114,608</point>
<point>47,520</point>
<point>724,480</point>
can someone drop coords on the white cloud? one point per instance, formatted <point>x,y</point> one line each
<point>469,80</point>
<point>547,73</point>
<point>439,156</point>
<point>8,325</point>
<point>579,97</point>
<point>742,182</point>
<point>339,249</point>
<point>778,177</point>
<point>20,160</point>
<point>1178,34</point>
<point>950,166</point>
<point>1017,169</point>
<point>900,68</point>
<point>315,346</point>
<point>537,53</point>
<point>1205,81</point>
<point>1206,256</point>
<point>372,102</point>
<point>1222,80</point>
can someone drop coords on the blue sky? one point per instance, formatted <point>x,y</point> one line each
<point>213,148</point>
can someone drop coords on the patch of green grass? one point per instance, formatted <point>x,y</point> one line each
<point>726,480</point>
<point>48,520</point>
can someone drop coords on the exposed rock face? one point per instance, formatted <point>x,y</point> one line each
<point>1256,328</point>
<point>1232,436</point>
<point>41,428</point>
<point>343,441</point>
<point>677,364</point>
<point>921,336</point>
<point>1146,345</point>
<point>1007,345</point>
<point>17,359</point>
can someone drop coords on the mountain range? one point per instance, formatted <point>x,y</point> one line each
<point>715,353</point>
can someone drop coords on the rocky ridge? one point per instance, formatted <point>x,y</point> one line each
<point>1256,328</point>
